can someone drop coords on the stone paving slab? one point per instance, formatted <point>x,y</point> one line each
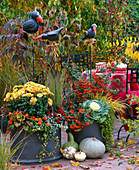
<point>95,164</point>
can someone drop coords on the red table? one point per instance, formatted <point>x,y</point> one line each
<point>118,84</point>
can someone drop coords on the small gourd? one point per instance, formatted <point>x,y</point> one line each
<point>69,152</point>
<point>93,147</point>
<point>80,156</point>
<point>70,142</point>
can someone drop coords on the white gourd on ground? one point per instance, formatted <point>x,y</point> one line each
<point>93,147</point>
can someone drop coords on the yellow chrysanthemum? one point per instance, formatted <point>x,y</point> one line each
<point>17,87</point>
<point>94,106</point>
<point>28,95</point>
<point>45,93</point>
<point>20,92</point>
<point>50,101</point>
<point>15,95</point>
<point>8,97</point>
<point>33,101</point>
<point>39,95</point>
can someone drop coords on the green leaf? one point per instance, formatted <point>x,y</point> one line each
<point>119,163</point>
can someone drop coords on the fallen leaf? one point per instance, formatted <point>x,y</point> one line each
<point>57,165</point>
<point>128,168</point>
<point>109,162</point>
<point>111,158</point>
<point>124,156</point>
<point>95,164</point>
<point>115,146</point>
<point>137,151</point>
<point>32,166</point>
<point>108,166</point>
<point>72,162</point>
<point>62,150</point>
<point>99,161</point>
<point>134,156</point>
<point>133,147</point>
<point>123,149</point>
<point>23,168</point>
<point>85,167</point>
<point>46,168</point>
<point>75,164</point>
<point>121,143</point>
<point>130,142</point>
<point>15,166</point>
<point>111,154</point>
<point>137,162</point>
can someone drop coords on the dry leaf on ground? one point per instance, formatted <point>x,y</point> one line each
<point>128,168</point>
<point>111,154</point>
<point>32,166</point>
<point>15,166</point>
<point>137,162</point>
<point>108,166</point>
<point>130,142</point>
<point>46,168</point>
<point>57,165</point>
<point>85,167</point>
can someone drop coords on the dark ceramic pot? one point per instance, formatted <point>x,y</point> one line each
<point>31,146</point>
<point>92,130</point>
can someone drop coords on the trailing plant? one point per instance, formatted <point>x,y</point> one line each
<point>30,109</point>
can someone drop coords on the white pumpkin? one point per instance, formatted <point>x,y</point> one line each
<point>80,156</point>
<point>92,147</point>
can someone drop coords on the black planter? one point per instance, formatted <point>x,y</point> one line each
<point>3,124</point>
<point>31,146</point>
<point>92,130</point>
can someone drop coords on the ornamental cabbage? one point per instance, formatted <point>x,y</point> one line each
<point>99,109</point>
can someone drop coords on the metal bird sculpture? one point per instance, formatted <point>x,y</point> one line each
<point>52,35</point>
<point>91,33</point>
<point>31,26</point>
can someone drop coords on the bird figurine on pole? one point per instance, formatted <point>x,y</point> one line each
<point>52,35</point>
<point>91,33</point>
<point>31,26</point>
<point>89,36</point>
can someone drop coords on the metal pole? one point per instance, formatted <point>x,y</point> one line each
<point>90,60</point>
<point>33,67</point>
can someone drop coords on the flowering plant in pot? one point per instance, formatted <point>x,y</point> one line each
<point>30,109</point>
<point>91,101</point>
